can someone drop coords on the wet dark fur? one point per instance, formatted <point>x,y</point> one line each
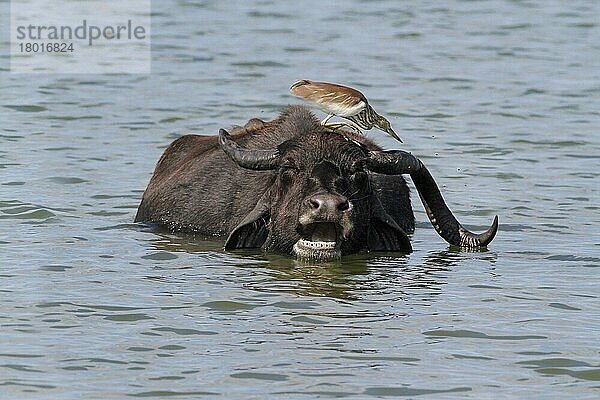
<point>197,188</point>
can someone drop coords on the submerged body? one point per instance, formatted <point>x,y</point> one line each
<point>293,186</point>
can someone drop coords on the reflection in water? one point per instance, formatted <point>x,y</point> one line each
<point>189,243</point>
<point>339,279</point>
<point>453,256</point>
<point>335,279</point>
<point>347,279</point>
<point>444,259</point>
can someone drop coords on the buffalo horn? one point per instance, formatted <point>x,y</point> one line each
<point>398,162</point>
<point>255,159</point>
<point>392,162</point>
<point>442,219</point>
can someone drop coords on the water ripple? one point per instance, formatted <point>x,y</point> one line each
<point>461,333</point>
<point>26,108</point>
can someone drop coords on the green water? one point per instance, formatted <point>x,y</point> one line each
<point>499,98</point>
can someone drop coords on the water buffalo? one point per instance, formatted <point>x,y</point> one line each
<point>293,186</point>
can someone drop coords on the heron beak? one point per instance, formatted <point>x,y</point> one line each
<point>391,132</point>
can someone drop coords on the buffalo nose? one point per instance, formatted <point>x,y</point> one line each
<point>328,205</point>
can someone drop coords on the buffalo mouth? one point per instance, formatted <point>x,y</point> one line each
<point>319,241</point>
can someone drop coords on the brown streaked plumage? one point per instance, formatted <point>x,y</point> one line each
<point>342,101</point>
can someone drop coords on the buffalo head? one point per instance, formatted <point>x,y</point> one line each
<point>322,201</point>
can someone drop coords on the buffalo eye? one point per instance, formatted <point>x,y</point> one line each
<point>287,170</point>
<point>288,164</point>
<point>342,184</point>
<point>359,178</point>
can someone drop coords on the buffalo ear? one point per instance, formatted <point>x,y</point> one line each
<point>251,235</point>
<point>252,231</point>
<point>384,233</point>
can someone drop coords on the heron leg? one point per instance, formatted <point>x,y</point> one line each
<point>327,118</point>
<point>337,126</point>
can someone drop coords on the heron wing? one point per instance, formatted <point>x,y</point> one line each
<point>329,96</point>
